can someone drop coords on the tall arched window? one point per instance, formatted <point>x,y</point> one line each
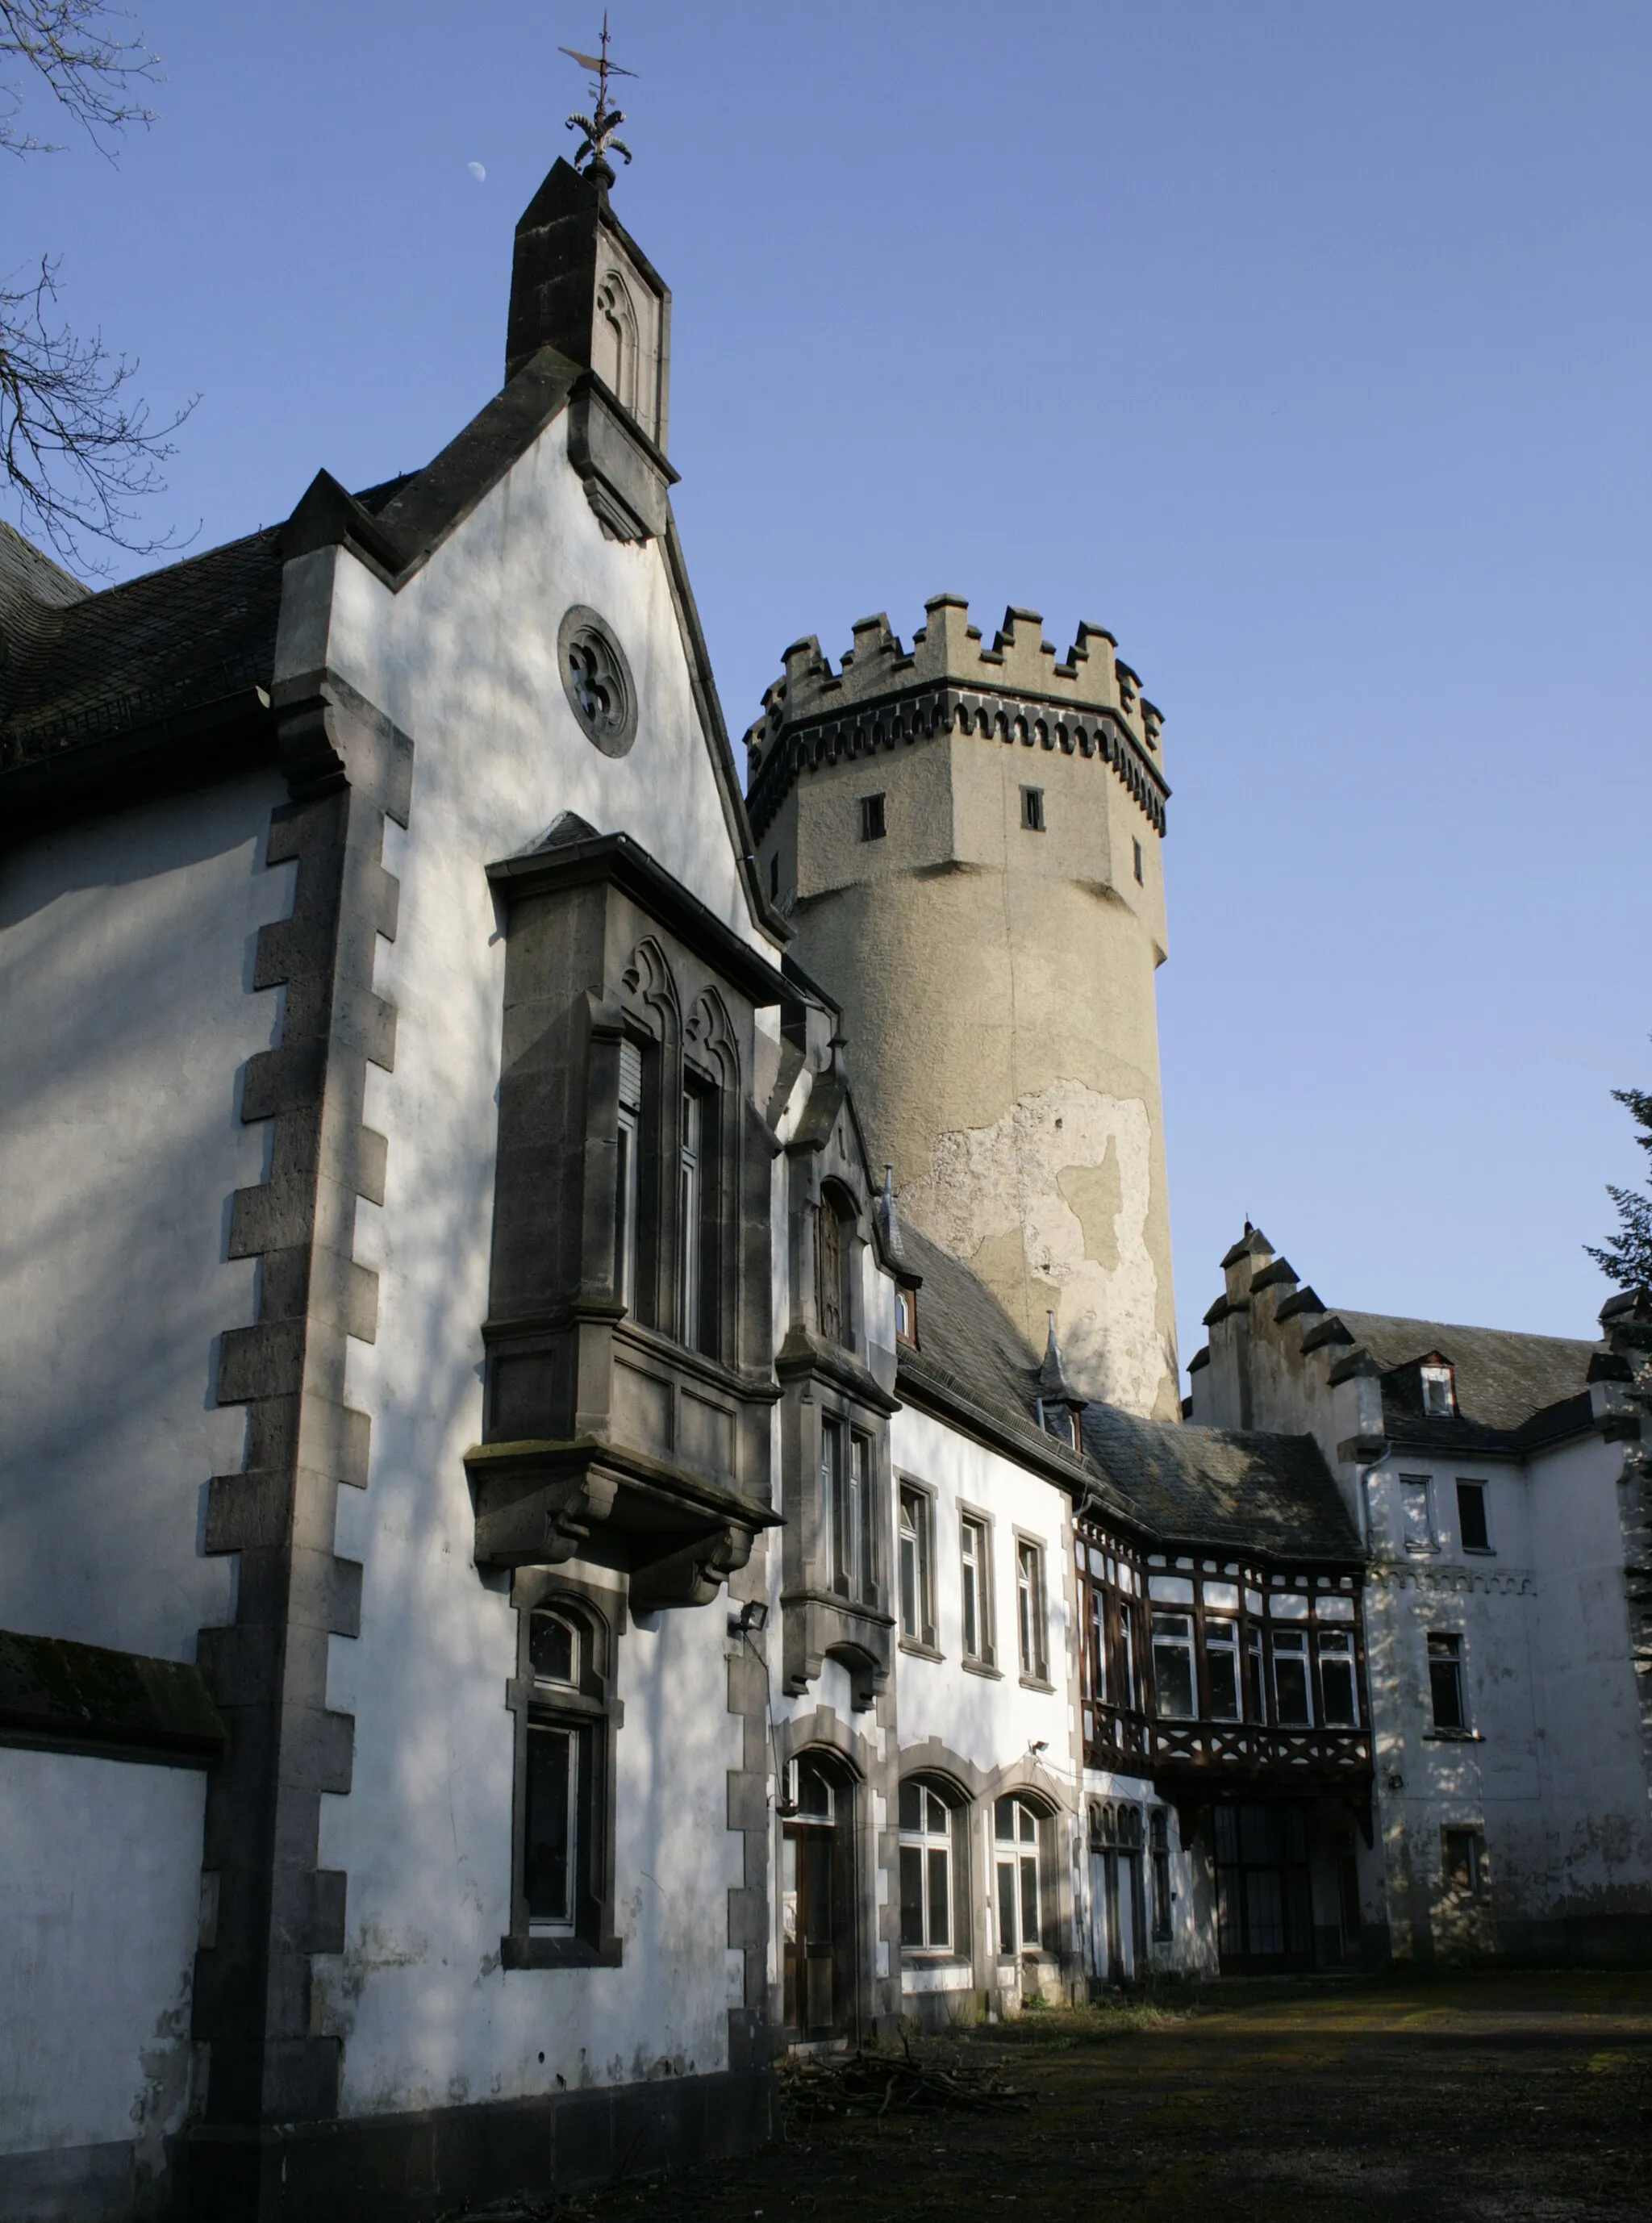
<point>930,1920</point>
<point>1019,1844</point>
<point>833,1260</point>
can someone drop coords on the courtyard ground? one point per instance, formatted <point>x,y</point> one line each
<point>1498,2096</point>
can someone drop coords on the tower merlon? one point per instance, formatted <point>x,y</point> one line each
<point>885,694</point>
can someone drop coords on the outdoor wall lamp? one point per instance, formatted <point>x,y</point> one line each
<point>751,1620</point>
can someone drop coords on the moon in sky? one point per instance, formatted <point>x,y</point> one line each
<point>477,171</point>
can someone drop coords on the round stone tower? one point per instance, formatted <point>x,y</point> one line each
<point>967,842</point>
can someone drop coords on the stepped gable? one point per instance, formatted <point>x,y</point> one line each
<point>1268,1494</point>
<point>884,694</point>
<point>1513,1391</point>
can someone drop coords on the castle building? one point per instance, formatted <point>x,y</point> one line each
<point>591,1486</point>
<point>967,842</point>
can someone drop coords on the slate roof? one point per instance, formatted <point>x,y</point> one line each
<point>106,663</point>
<point>1273,1494</point>
<point>1513,1390</point>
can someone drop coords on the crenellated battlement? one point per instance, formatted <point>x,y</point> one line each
<point>884,694</point>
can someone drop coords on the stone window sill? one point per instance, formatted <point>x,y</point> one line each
<point>1036,1683</point>
<point>982,1667</point>
<point>1452,1737</point>
<point>920,1651</point>
<point>517,1952</point>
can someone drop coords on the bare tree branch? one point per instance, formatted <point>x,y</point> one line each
<point>77,449</point>
<point>92,68</point>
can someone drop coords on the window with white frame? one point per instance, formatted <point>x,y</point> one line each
<point>1129,1697</point>
<point>1017,1842</point>
<point>914,1526</point>
<point>1030,1624</point>
<point>1292,1701</point>
<point>560,1913</point>
<point>1417,1512</point>
<point>1439,1389</point>
<point>1446,1692</point>
<point>1256,1694</point>
<point>928,1922</point>
<point>976,1589</point>
<point>1222,1666</point>
<point>1338,1701</point>
<point>1175,1694</point>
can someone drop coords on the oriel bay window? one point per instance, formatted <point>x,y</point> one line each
<point>928,1921</point>
<point>1018,1841</point>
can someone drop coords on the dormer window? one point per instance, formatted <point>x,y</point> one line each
<point>1439,1389</point>
<point>907,1316</point>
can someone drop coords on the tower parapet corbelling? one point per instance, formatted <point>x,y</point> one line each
<point>967,839</point>
<point>1090,704</point>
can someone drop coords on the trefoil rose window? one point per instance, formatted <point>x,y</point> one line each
<point>597,679</point>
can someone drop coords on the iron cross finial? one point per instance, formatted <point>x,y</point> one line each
<point>598,127</point>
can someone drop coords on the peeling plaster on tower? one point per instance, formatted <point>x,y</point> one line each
<point>994,948</point>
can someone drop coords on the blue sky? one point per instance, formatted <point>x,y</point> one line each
<point>1304,346</point>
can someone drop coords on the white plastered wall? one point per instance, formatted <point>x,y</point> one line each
<point>125,1016</point>
<point>100,1864</point>
<point>464,660</point>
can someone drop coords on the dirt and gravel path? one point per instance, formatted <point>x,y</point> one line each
<point>1502,2097</point>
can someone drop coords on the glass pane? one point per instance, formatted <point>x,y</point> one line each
<point>814,1792</point>
<point>553,1648</point>
<point>549,1863</point>
<point>1223,1661</point>
<point>1336,1693</point>
<point>1471,1516</point>
<point>1445,1679</point>
<point>911,1895</point>
<point>911,1806</point>
<point>937,1816</point>
<point>1173,1666</point>
<point>1004,1817</point>
<point>1290,1690</point>
<point>1030,1927</point>
<point>1007,1933</point>
<point>1028,1830</point>
<point>940,1899</point>
<point>908,1581</point>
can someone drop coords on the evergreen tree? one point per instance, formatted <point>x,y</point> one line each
<point>1627,1259</point>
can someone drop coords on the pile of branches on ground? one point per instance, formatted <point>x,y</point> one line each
<point>819,2088</point>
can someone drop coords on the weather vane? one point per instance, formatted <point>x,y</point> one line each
<point>599,126</point>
